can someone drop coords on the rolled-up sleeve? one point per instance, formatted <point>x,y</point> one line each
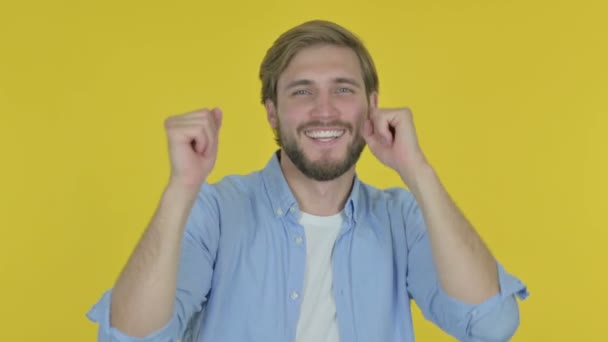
<point>495,319</point>
<point>197,257</point>
<point>100,314</point>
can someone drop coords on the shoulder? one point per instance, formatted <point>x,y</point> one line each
<point>234,187</point>
<point>372,196</point>
<point>394,206</point>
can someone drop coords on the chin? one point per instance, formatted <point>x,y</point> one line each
<point>327,155</point>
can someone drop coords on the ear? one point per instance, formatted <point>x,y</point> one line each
<point>373,101</point>
<point>271,113</point>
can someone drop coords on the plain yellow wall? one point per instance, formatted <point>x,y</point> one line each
<point>509,98</point>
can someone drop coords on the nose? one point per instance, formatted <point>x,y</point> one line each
<point>324,107</point>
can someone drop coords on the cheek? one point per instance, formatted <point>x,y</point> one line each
<point>297,106</point>
<point>292,112</point>
<point>354,109</point>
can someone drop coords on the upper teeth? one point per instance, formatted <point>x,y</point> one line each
<point>324,134</point>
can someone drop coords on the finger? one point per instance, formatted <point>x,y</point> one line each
<point>382,130</point>
<point>198,118</point>
<point>198,128</point>
<point>217,115</point>
<point>368,134</point>
<point>211,130</point>
<point>196,137</point>
<point>174,123</point>
<point>194,122</point>
<point>184,118</point>
<point>190,119</point>
<point>194,114</point>
<point>367,131</point>
<point>193,134</point>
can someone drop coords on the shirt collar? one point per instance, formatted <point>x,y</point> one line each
<point>282,199</point>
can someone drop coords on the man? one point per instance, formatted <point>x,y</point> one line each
<point>303,250</point>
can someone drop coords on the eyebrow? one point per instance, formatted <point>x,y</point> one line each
<point>346,80</point>
<point>337,80</point>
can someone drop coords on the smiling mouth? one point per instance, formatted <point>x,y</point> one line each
<point>324,135</point>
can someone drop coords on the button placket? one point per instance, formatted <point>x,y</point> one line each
<point>297,261</point>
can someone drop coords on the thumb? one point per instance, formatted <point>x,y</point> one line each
<point>217,116</point>
<point>367,132</point>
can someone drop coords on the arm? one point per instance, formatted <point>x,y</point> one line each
<point>494,319</point>
<point>144,294</point>
<point>466,269</point>
<point>195,269</point>
<point>451,273</point>
<point>144,297</point>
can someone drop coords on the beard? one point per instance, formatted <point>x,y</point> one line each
<point>322,170</point>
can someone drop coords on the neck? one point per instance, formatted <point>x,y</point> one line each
<point>316,197</point>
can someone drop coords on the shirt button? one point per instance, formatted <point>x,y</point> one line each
<point>294,295</point>
<point>474,313</point>
<point>279,212</point>
<point>299,240</point>
<point>292,209</point>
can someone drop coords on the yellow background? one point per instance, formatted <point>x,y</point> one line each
<point>509,98</point>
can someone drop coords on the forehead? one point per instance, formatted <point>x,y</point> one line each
<point>321,62</point>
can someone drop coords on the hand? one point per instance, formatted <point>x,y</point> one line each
<point>193,144</point>
<point>391,137</point>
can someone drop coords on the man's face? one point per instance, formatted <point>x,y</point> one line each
<point>321,106</point>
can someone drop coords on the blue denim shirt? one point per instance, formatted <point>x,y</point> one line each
<point>242,268</point>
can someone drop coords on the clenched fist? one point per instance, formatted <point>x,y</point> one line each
<point>391,137</point>
<point>193,144</point>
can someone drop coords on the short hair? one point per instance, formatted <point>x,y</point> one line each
<point>310,33</point>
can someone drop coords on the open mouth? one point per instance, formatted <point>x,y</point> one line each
<point>324,135</point>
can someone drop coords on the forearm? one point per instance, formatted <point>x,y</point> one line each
<point>466,268</point>
<point>144,294</point>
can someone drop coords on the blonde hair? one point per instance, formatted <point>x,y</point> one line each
<point>306,35</point>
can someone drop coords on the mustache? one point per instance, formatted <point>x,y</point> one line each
<point>320,124</point>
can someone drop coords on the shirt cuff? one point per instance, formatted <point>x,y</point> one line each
<point>464,315</point>
<point>499,324</point>
<point>100,313</point>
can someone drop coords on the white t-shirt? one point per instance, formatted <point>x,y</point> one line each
<point>318,322</point>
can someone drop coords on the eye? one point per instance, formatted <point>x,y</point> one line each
<point>345,90</point>
<point>301,92</point>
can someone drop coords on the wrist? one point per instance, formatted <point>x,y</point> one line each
<point>182,192</point>
<point>416,174</point>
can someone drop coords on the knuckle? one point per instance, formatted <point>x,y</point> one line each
<point>169,128</point>
<point>202,113</point>
<point>169,121</point>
